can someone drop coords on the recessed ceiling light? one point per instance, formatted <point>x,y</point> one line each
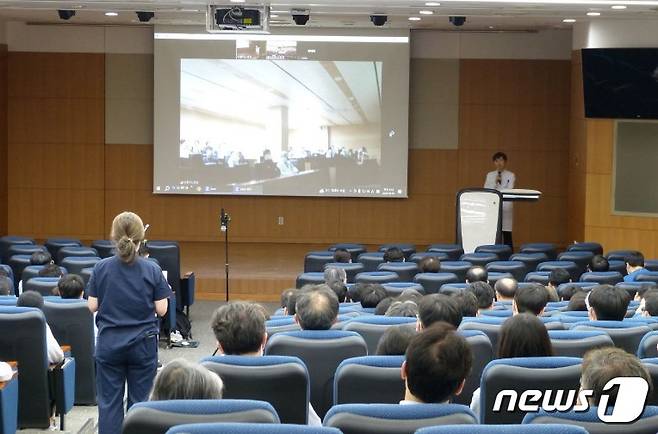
<point>424,12</point>
<point>568,20</point>
<point>593,14</point>
<point>619,7</point>
<point>111,14</point>
<point>432,4</point>
<point>414,18</point>
<point>237,1</point>
<point>274,16</point>
<point>311,50</point>
<point>491,27</point>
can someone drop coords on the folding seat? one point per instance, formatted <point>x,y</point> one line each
<point>651,264</point>
<point>503,251</point>
<point>7,269</point>
<point>548,249</point>
<point>395,418</point>
<point>33,271</point>
<point>42,285</point>
<point>8,300</point>
<point>11,240</point>
<point>75,264</point>
<point>380,277</point>
<point>368,380</point>
<point>589,420</point>
<point>417,257</point>
<point>321,351</point>
<point>262,379</point>
<point>602,277</point>
<point>25,249</point>
<point>481,259</point>
<point>309,279</point>
<point>540,277</point>
<point>407,249</point>
<point>371,260</point>
<point>256,428</point>
<point>625,334</point>
<point>595,248</point>
<point>454,251</point>
<point>483,353</point>
<point>393,289</point>
<point>354,249</point>
<point>54,244</point>
<point>73,324</point>
<point>280,328</point>
<point>85,273</point>
<point>495,276</point>
<point>569,266</point>
<point>647,346</point>
<point>314,261</point>
<point>531,260</point>
<point>651,276</point>
<point>459,268</point>
<point>371,328</point>
<point>489,325</point>
<point>452,288</point>
<point>575,343</point>
<point>105,248</point>
<point>516,268</point>
<point>581,258</point>
<point>405,270</point>
<point>9,406</point>
<point>585,286</point>
<point>168,254</point>
<point>619,255</point>
<point>156,417</point>
<point>521,374</point>
<point>499,313</point>
<point>66,252</point>
<point>432,282</point>
<point>504,429</point>
<point>618,266</point>
<point>350,269</point>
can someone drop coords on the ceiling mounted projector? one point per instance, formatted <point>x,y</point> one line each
<point>144,17</point>
<point>300,16</point>
<point>231,18</point>
<point>378,20</point>
<point>65,14</point>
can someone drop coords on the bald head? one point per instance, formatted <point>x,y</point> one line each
<point>506,288</point>
<point>317,309</point>
<point>477,274</point>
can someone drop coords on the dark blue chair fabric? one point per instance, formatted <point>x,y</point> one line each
<point>369,379</point>
<point>516,268</point>
<point>396,288</point>
<point>483,353</point>
<point>66,252</point>
<point>86,273</point>
<point>168,255</point>
<point>309,278</point>
<point>11,240</point>
<point>538,277</point>
<point>9,407</point>
<point>585,246</point>
<point>406,271</point>
<point>75,264</point>
<point>618,266</point>
<point>651,276</point>
<point>314,261</point>
<point>575,343</point>
<point>459,268</point>
<point>589,420</point>
<point>7,269</point>
<point>17,263</point>
<point>25,249</point>
<point>351,270</point>
<point>651,264</point>
<point>33,271</point>
<point>371,328</point>
<point>503,251</point>
<point>481,259</point>
<point>647,346</point>
<point>432,282</point>
<point>581,258</point>
<point>549,249</point>
<point>380,277</point>
<point>42,285</point>
<point>371,260</point>
<point>407,249</point>
<point>454,251</point>
<point>255,428</point>
<point>105,248</point>
<point>531,260</point>
<point>354,249</point>
<point>504,429</point>
<point>494,276</point>
<point>602,277</point>
<point>573,268</point>
<point>625,334</point>
<point>452,288</point>
<point>619,255</point>
<point>54,244</point>
<point>585,286</point>
<point>417,257</point>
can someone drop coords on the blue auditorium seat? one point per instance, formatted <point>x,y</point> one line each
<point>368,379</point>
<point>54,244</point>
<point>452,288</point>
<point>371,260</point>
<point>75,264</point>
<point>309,278</point>
<point>393,289</point>
<point>66,252</point>
<point>586,246</point>
<point>571,267</point>
<point>407,249</point>
<point>25,249</point>
<point>371,328</point>
<point>516,268</point>
<point>459,268</point>
<point>432,282</point>
<point>602,277</point>
<point>548,249</point>
<point>417,257</point>
<point>619,255</point>
<point>503,429</point>
<point>494,276</point>
<point>405,270</point>
<point>503,251</point>
<point>9,406</point>
<point>11,240</point>
<point>538,277</point>
<point>575,343</point>
<point>354,249</point>
<point>105,248</point>
<point>651,276</point>
<point>351,269</point>
<point>647,346</point>
<point>481,259</point>
<point>483,353</point>
<point>586,286</point>
<point>589,420</point>
<point>531,260</point>
<point>380,277</point>
<point>42,285</point>
<point>256,428</point>
<point>314,261</point>
<point>454,251</point>
<point>581,258</point>
<point>651,264</point>
<point>625,334</point>
<point>618,266</point>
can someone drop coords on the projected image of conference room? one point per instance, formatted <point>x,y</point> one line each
<point>271,126</point>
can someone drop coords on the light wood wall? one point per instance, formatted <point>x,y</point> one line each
<point>3,140</point>
<point>65,179</point>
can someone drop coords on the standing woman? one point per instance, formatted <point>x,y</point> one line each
<point>127,291</point>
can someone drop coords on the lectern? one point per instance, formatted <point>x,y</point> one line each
<point>480,214</point>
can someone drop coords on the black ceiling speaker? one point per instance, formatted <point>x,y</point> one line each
<point>145,17</point>
<point>65,14</point>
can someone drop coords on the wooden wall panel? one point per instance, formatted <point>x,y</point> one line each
<point>3,141</point>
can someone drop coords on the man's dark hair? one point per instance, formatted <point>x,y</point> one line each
<point>30,299</point>
<point>6,287</point>
<point>483,292</point>
<point>651,305</point>
<point>577,301</point>
<point>467,302</point>
<point>357,290</point>
<point>524,335</point>
<point>609,302</point>
<point>635,259</point>
<point>383,305</point>
<point>531,299</point>
<point>50,270</point>
<point>372,294</point>
<point>506,287</point>
<point>434,308</point>
<point>498,155</point>
<point>393,254</point>
<point>317,309</point>
<point>437,362</point>
<point>646,289</point>
<point>285,296</point>
<point>477,273</point>
<point>599,263</point>
<point>342,256</point>
<point>410,294</point>
<point>429,264</point>
<point>568,290</point>
<point>395,340</point>
<point>558,276</point>
<point>403,308</point>
<point>339,289</point>
<point>239,327</point>
<point>71,286</point>
<point>41,257</point>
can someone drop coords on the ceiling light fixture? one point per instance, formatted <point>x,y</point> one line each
<point>237,1</point>
<point>618,7</point>
<point>568,20</point>
<point>593,14</point>
<point>432,4</point>
<point>414,18</point>
<point>274,16</point>
<point>111,14</point>
<point>424,12</point>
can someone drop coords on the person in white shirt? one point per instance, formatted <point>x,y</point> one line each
<point>34,299</point>
<point>502,179</point>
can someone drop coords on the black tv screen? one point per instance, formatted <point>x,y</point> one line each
<point>620,83</point>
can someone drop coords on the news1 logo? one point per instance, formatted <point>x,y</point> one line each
<point>631,395</point>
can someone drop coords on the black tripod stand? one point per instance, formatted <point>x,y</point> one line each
<point>224,220</point>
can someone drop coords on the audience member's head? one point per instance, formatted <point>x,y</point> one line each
<point>438,360</point>
<point>599,263</point>
<point>429,264</point>
<point>577,301</point>
<point>558,276</point>
<point>483,292</point>
<point>3,273</point>
<point>602,365</point>
<point>42,257</point>
<point>180,379</point>
<point>530,299</point>
<point>383,305</point>
<point>372,294</point>
<point>645,290</point>
<point>317,310</point>
<point>434,308</point>
<point>334,274</point>
<point>506,288</point>
<point>468,303</point>
<point>6,287</point>
<point>410,294</point>
<point>239,328</point>
<point>291,302</point>
<point>403,308</point>
<point>568,290</point>
<point>395,340</point>
<point>50,270</point>
<point>393,254</point>
<point>634,261</point>
<point>340,290</point>
<point>357,289</point>
<point>607,302</point>
<point>285,296</point>
<point>477,273</point>
<point>524,335</point>
<point>71,286</point>
<point>30,299</point>
<point>342,256</point>
<point>651,305</point>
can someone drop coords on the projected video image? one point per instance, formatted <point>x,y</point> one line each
<point>264,126</point>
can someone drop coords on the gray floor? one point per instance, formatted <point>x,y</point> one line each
<point>83,419</point>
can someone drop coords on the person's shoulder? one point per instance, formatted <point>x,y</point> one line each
<point>104,263</point>
<point>148,265</point>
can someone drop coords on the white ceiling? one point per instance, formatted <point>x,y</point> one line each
<point>481,14</point>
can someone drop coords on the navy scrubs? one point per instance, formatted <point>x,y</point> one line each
<point>127,343</point>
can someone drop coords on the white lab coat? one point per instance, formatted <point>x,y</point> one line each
<point>507,182</point>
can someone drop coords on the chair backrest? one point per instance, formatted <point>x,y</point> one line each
<point>393,289</point>
<point>589,420</point>
<point>504,429</point>
<point>315,277</point>
<point>417,257</point>
<point>54,244</point>
<point>571,267</point>
<point>649,276</point>
<point>602,277</point>
<point>459,268</point>
<point>586,246</point>
<point>168,255</point>
<point>647,347</point>
<point>66,252</point>
<point>405,270</point>
<point>369,380</point>
<point>105,248</point>
<point>17,263</point>
<point>355,249</point>
<point>25,249</point>
<point>574,343</point>
<point>156,417</point>
<point>253,428</point>
<point>516,268</point>
<point>395,418</point>
<point>371,328</point>
<point>481,259</point>
<point>520,374</point>
<point>380,277</point>
<point>503,251</point>
<point>490,326</point>
<point>407,249</point>
<point>618,255</point>
<point>322,351</point>
<point>73,324</point>
<point>42,285</point>
<point>11,240</point>
<point>33,271</point>
<point>531,260</point>
<point>651,365</point>
<point>582,258</point>
<point>625,334</point>
<point>432,282</point>
<point>483,353</point>
<point>371,260</point>
<point>540,277</point>
<point>453,251</point>
<point>263,379</point>
<point>314,261</point>
<point>549,249</point>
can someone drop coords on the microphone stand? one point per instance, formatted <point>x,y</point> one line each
<point>224,220</point>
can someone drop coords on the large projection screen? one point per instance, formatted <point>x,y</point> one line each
<point>284,115</point>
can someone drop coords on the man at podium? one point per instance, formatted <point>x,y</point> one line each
<point>502,179</point>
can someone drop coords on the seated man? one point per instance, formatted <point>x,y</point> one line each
<point>371,295</point>
<point>467,302</point>
<point>41,257</point>
<point>650,305</point>
<point>599,264</point>
<point>340,290</point>
<point>394,254</point>
<point>531,299</point>
<point>607,302</point>
<point>556,278</point>
<point>71,286</point>
<point>50,270</point>
<point>634,266</point>
<point>317,309</point>
<point>434,308</point>
<point>34,299</point>
<point>568,291</point>
<point>342,256</point>
<point>477,274</point>
<point>429,264</point>
<point>334,274</point>
<point>394,341</point>
<point>506,289</point>
<point>6,287</point>
<point>403,308</point>
<point>484,294</point>
<point>437,363</point>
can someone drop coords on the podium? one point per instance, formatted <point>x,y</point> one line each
<point>480,214</point>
